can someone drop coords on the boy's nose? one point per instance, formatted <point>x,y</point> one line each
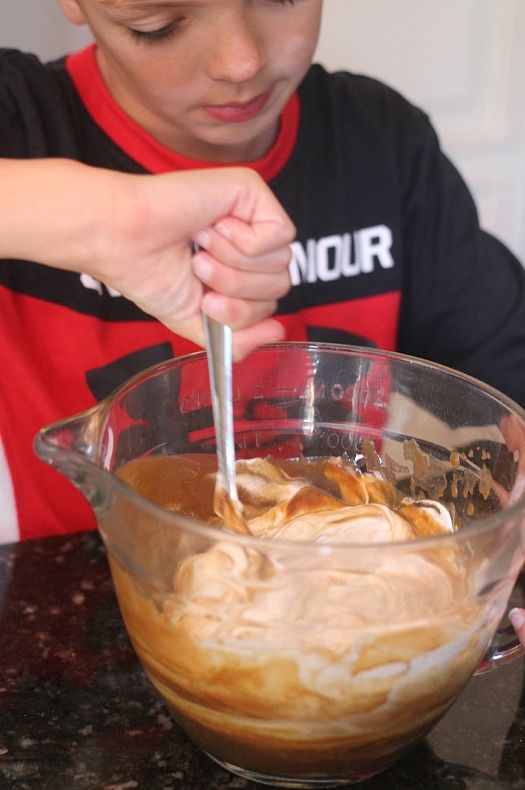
<point>235,55</point>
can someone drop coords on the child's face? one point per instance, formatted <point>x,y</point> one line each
<point>208,78</point>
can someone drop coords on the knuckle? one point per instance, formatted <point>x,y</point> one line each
<point>282,287</point>
<point>285,258</point>
<point>235,287</point>
<point>290,231</point>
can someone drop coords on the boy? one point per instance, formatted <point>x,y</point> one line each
<point>388,250</point>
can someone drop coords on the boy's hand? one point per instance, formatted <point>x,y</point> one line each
<point>239,271</point>
<point>517,618</point>
<point>135,232</point>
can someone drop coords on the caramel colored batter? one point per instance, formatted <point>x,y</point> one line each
<point>288,656</point>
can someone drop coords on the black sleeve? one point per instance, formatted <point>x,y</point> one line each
<point>35,108</point>
<point>463,291</point>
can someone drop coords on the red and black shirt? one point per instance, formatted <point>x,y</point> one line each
<point>388,253</point>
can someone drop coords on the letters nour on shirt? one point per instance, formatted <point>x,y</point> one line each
<point>342,255</point>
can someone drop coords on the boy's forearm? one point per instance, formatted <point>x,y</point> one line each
<point>50,210</point>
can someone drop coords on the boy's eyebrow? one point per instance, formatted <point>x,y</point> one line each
<point>142,5</point>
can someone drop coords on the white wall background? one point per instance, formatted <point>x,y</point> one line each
<point>39,26</point>
<point>463,61</point>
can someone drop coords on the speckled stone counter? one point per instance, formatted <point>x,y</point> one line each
<point>77,713</point>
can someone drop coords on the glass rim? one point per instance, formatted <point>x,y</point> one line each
<point>214,534</point>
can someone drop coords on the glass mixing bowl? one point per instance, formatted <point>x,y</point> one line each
<point>304,664</point>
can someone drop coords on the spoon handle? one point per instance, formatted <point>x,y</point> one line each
<point>219,341</point>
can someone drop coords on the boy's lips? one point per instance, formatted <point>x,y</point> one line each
<point>237,112</point>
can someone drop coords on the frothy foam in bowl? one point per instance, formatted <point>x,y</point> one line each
<point>299,657</point>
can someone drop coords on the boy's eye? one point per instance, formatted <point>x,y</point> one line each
<point>164,32</point>
<point>155,36</point>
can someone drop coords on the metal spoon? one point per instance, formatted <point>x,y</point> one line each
<point>218,338</point>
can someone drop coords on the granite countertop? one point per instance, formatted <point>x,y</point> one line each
<point>77,713</point>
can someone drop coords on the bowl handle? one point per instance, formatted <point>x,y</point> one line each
<point>496,657</point>
<point>504,647</point>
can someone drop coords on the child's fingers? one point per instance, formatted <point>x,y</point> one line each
<point>237,313</point>
<point>247,340</point>
<point>256,238</point>
<point>240,283</point>
<point>244,340</point>
<point>517,618</point>
<point>247,249</point>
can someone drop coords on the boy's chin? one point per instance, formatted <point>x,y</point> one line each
<point>237,148</point>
